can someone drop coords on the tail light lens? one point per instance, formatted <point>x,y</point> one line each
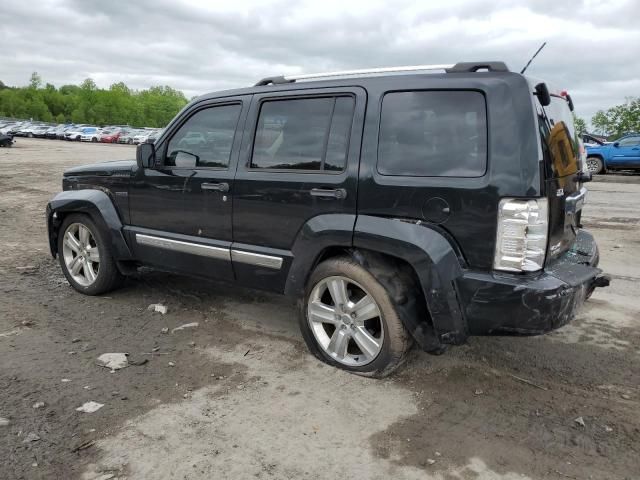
<point>521,240</point>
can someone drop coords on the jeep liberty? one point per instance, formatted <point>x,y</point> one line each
<point>411,204</point>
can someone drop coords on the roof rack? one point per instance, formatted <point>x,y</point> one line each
<point>461,67</point>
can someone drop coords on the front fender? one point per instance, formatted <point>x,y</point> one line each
<point>435,261</point>
<point>98,206</point>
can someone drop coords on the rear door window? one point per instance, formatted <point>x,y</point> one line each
<point>433,134</point>
<point>308,134</point>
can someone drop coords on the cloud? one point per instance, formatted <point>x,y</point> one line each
<point>202,46</point>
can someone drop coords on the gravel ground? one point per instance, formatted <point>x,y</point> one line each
<point>239,397</point>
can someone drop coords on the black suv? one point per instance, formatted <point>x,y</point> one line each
<point>406,204</point>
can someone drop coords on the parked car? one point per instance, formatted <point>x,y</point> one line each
<point>111,136</point>
<point>623,154</point>
<point>128,137</point>
<point>75,133</point>
<point>31,130</point>
<point>141,137</point>
<point>412,206</point>
<point>153,136</point>
<point>6,140</point>
<point>90,134</point>
<point>591,139</point>
<point>61,135</point>
<point>7,127</point>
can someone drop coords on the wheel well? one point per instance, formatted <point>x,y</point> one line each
<point>57,223</point>
<point>401,281</point>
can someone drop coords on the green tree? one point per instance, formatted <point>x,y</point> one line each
<point>619,119</point>
<point>87,103</point>
<point>580,124</point>
<point>35,81</point>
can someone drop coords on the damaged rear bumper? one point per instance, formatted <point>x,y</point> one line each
<point>495,303</point>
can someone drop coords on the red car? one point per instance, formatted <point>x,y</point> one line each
<point>111,136</point>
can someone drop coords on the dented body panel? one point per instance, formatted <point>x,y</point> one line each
<point>531,304</point>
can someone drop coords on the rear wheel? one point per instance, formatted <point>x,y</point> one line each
<point>595,165</point>
<point>85,256</point>
<point>348,320</point>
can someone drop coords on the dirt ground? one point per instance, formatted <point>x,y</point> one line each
<point>239,396</point>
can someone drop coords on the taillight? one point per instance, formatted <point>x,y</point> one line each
<point>521,239</point>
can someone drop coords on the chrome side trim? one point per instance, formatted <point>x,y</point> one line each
<point>184,247</point>
<point>257,259</point>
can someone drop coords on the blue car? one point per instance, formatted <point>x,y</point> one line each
<point>623,154</point>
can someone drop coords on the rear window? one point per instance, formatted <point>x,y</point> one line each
<point>560,142</point>
<point>433,134</point>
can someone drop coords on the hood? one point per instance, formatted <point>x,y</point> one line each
<point>595,148</point>
<point>102,168</point>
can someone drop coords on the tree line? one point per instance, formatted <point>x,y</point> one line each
<point>615,121</point>
<point>86,103</point>
<point>156,106</point>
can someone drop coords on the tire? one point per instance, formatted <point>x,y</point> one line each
<point>391,341</point>
<point>595,165</point>
<point>94,140</point>
<point>105,272</point>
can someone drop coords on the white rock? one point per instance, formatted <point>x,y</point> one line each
<point>158,307</point>
<point>185,326</point>
<point>165,330</point>
<point>106,476</point>
<point>4,422</point>
<point>171,364</point>
<point>38,405</point>
<point>90,407</point>
<point>430,461</point>
<point>114,361</point>
<point>31,437</point>
<point>65,380</point>
<point>580,421</point>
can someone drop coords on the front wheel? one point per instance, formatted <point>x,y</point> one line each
<point>85,256</point>
<point>348,320</point>
<point>595,165</point>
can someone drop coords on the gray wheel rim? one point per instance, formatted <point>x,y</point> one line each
<point>593,165</point>
<point>346,321</point>
<point>80,253</point>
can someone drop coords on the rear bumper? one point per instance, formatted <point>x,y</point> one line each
<point>495,303</point>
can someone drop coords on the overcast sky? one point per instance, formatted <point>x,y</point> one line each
<point>200,46</point>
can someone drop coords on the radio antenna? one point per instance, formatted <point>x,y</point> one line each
<point>534,56</point>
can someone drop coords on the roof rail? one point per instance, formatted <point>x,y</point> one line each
<point>457,68</point>
<point>470,67</point>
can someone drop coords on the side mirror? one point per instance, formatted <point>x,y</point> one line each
<point>186,159</point>
<point>570,102</point>
<point>616,144</point>
<point>146,155</point>
<point>542,92</point>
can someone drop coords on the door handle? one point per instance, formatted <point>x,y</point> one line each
<point>338,193</point>
<point>218,187</point>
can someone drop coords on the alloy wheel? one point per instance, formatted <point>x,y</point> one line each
<point>593,165</point>
<point>346,321</point>
<point>81,254</point>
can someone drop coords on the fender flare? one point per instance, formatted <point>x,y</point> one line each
<point>98,206</point>
<point>316,236</point>
<point>436,263</point>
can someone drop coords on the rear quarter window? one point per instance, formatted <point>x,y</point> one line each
<point>433,134</point>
